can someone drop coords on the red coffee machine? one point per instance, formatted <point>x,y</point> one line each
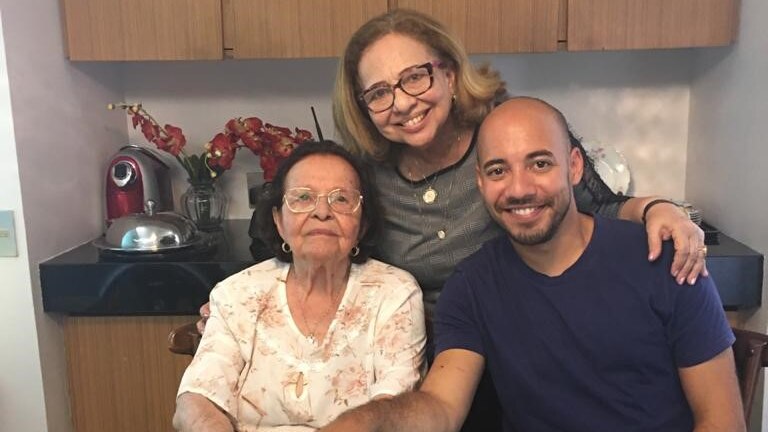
<point>135,175</point>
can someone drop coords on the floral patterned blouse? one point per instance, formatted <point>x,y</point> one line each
<point>255,364</point>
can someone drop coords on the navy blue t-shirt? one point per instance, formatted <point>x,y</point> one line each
<point>594,349</point>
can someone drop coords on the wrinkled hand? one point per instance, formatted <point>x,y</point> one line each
<point>665,221</point>
<point>205,312</point>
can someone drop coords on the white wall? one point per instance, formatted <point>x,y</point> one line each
<point>22,404</point>
<point>637,101</point>
<point>728,148</point>
<point>63,139</point>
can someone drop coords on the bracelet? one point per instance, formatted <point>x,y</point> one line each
<point>653,203</point>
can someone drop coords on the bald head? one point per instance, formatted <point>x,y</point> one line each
<point>528,113</point>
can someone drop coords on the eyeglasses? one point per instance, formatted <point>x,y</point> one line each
<point>304,200</point>
<point>413,81</point>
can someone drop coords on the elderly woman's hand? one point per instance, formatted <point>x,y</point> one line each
<point>195,412</point>
<point>205,312</point>
<point>665,220</point>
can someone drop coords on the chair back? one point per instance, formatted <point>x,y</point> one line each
<point>184,339</point>
<point>750,352</point>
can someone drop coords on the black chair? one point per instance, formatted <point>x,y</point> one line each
<point>750,352</point>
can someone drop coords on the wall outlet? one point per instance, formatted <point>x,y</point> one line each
<point>7,235</point>
<point>255,181</point>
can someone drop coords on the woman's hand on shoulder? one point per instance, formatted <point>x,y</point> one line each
<point>664,221</point>
<point>205,313</point>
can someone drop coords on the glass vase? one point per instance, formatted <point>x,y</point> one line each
<point>205,205</point>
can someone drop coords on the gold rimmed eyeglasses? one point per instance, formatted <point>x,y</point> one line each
<point>304,200</point>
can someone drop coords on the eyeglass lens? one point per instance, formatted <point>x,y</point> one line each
<point>414,81</point>
<point>302,200</point>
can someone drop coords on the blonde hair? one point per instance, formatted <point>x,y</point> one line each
<point>476,88</point>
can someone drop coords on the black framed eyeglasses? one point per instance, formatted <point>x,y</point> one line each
<point>304,200</point>
<point>414,81</point>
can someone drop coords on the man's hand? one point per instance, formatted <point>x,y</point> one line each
<point>440,405</point>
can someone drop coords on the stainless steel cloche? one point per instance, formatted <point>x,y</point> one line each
<point>150,232</point>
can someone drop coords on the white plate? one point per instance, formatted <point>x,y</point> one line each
<point>610,164</point>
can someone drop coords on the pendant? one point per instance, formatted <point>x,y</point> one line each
<point>441,234</point>
<point>430,195</point>
<point>300,385</point>
<point>312,339</point>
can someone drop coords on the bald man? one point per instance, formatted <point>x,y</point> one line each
<point>578,330</point>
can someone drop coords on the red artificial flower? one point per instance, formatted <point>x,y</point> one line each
<point>284,146</point>
<point>253,124</point>
<point>151,131</point>
<point>175,140</point>
<point>277,130</point>
<point>235,127</point>
<point>268,164</point>
<point>268,141</point>
<point>271,143</point>
<point>221,151</point>
<point>302,135</point>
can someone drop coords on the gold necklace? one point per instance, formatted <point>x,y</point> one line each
<point>430,197</point>
<point>332,307</point>
<point>430,194</point>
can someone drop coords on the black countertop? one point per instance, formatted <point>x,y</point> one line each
<point>738,273</point>
<point>84,281</point>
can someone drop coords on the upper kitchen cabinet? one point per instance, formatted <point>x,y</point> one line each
<point>644,24</point>
<point>246,29</point>
<point>498,26</point>
<point>293,28</point>
<point>143,29</point>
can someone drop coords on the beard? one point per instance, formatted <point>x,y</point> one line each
<point>537,236</point>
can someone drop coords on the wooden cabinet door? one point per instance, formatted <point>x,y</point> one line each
<point>122,378</point>
<point>294,28</point>
<point>143,29</point>
<point>637,24</point>
<point>497,26</point>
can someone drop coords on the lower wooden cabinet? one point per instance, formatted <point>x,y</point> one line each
<point>121,375</point>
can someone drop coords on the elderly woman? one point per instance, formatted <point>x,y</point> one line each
<point>294,341</point>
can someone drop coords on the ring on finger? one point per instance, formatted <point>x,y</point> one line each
<point>703,251</point>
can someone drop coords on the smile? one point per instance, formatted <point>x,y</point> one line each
<point>413,121</point>
<point>523,211</point>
